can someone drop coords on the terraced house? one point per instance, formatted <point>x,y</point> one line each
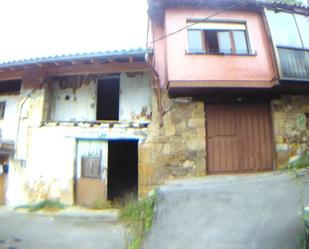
<point>222,88</point>
<point>70,126</point>
<point>234,79</point>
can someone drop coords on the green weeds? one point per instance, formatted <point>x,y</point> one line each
<point>139,216</point>
<point>301,163</point>
<point>47,205</point>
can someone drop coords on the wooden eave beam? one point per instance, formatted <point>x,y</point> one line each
<point>222,84</point>
<point>102,68</point>
<point>11,75</point>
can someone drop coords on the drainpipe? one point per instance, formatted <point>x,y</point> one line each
<point>157,87</point>
<point>20,111</point>
<point>272,48</point>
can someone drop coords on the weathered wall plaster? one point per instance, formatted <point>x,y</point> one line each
<point>8,125</point>
<point>51,154</point>
<point>44,161</point>
<point>73,104</point>
<point>79,104</point>
<point>135,97</point>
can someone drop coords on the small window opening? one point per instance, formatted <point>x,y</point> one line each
<point>91,167</point>
<point>2,109</point>
<point>10,87</point>
<point>108,99</point>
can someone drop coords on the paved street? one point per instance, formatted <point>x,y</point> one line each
<point>69,230</point>
<point>257,211</point>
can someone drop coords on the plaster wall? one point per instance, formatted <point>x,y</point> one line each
<point>135,97</point>
<point>51,157</point>
<point>79,104</point>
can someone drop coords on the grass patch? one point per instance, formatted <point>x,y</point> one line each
<point>102,204</point>
<point>47,205</point>
<point>139,215</point>
<point>301,163</point>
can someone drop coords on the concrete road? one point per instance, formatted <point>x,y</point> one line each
<point>260,211</point>
<point>35,231</point>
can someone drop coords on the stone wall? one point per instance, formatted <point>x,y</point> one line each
<point>175,150</point>
<point>291,134</point>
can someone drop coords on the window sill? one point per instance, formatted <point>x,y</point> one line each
<point>102,124</point>
<point>251,53</point>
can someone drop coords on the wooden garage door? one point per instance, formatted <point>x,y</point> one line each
<point>239,138</point>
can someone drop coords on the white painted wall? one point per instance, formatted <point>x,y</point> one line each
<point>50,164</point>
<point>51,158</point>
<point>50,151</point>
<point>135,95</point>
<point>8,125</point>
<point>81,105</point>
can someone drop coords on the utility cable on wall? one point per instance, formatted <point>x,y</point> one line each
<point>157,85</point>
<point>199,21</point>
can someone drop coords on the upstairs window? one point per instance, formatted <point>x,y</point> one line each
<point>288,30</point>
<point>218,38</point>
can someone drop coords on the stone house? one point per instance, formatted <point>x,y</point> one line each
<point>234,88</point>
<point>71,126</point>
<point>221,89</point>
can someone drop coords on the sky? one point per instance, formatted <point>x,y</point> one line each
<point>36,28</point>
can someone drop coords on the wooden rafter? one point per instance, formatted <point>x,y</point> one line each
<point>10,73</point>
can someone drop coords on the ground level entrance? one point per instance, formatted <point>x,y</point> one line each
<point>106,170</point>
<point>239,138</point>
<point>122,169</point>
<point>3,178</point>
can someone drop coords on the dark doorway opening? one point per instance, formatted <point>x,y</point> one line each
<point>122,169</point>
<point>4,164</point>
<point>108,99</point>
